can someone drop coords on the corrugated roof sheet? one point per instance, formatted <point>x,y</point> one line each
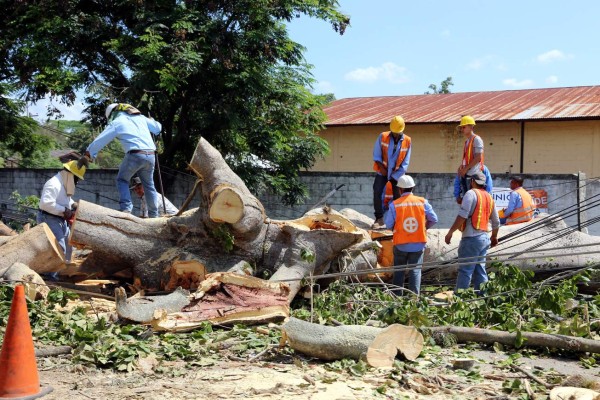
<point>505,105</point>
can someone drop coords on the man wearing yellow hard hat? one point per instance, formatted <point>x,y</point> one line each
<point>472,160</point>
<point>57,207</point>
<point>391,156</point>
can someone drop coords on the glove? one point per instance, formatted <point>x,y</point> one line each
<point>83,161</point>
<point>68,214</point>
<point>74,207</point>
<point>87,156</point>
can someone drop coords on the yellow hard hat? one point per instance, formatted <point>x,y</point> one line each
<point>467,120</point>
<point>71,166</point>
<point>397,124</point>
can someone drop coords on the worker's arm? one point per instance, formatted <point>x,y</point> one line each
<point>430,215</point>
<point>377,156</point>
<point>403,166</point>
<point>153,126</point>
<point>476,160</point>
<point>48,198</point>
<point>513,200</point>
<point>455,226</point>
<point>495,220</point>
<point>107,135</point>
<point>390,216</point>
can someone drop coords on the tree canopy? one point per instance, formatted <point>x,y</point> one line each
<point>224,70</point>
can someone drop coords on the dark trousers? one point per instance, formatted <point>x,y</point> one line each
<point>464,185</point>
<point>378,189</point>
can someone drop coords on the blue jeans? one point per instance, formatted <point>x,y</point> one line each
<point>414,274</point>
<point>143,166</point>
<point>60,229</point>
<point>474,246</point>
<point>378,189</point>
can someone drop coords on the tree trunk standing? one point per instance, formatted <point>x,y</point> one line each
<point>37,248</point>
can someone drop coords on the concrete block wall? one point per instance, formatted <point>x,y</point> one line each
<point>357,193</point>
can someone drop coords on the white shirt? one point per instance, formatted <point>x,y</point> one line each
<point>54,198</point>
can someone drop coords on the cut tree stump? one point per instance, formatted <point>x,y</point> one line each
<point>37,248</point>
<point>531,339</point>
<point>378,346</point>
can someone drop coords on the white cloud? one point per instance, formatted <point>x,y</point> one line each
<point>552,79</point>
<point>512,82</point>
<point>485,61</point>
<point>552,55</point>
<point>388,72</point>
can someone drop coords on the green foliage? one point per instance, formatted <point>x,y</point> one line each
<point>224,236</point>
<point>444,87</point>
<point>226,71</point>
<point>26,205</point>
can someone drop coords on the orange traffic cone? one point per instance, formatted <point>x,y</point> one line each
<point>19,377</point>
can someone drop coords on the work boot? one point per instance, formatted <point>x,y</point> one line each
<point>378,224</point>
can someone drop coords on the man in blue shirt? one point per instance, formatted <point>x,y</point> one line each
<point>133,130</point>
<point>391,156</point>
<point>489,184</point>
<point>409,216</point>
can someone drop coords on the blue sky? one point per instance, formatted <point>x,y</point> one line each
<point>397,47</point>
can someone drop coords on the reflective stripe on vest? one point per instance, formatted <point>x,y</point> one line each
<point>385,144</point>
<point>468,152</point>
<point>523,213</point>
<point>410,224</point>
<point>483,210</point>
<point>388,194</point>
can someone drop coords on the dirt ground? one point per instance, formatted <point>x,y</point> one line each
<point>431,377</point>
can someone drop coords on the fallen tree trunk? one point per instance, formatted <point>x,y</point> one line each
<point>37,248</point>
<point>531,339</point>
<point>227,232</point>
<point>378,346</point>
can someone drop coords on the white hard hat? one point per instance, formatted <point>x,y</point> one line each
<point>110,108</point>
<point>406,182</point>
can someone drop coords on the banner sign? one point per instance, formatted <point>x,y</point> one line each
<point>540,198</point>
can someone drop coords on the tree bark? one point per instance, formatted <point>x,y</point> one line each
<point>531,339</point>
<point>37,248</point>
<point>379,346</point>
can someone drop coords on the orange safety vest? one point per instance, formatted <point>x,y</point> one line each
<point>523,213</point>
<point>468,152</point>
<point>389,194</point>
<point>409,226</point>
<point>385,144</point>
<point>483,210</point>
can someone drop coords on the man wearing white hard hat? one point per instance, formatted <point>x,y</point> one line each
<point>57,207</point>
<point>409,216</point>
<point>134,131</point>
<point>391,156</point>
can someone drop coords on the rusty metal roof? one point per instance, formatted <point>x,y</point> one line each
<point>507,105</point>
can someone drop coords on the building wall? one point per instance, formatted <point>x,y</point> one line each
<point>555,147</point>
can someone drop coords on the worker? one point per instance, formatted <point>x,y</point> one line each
<point>409,216</point>
<point>472,160</point>
<point>57,207</point>
<point>520,204</point>
<point>134,131</point>
<point>138,189</point>
<point>391,156</point>
<point>477,209</point>
<point>489,184</point>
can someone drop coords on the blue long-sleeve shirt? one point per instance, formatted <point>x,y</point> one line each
<point>431,219</point>
<point>133,131</point>
<point>514,201</point>
<point>392,157</point>
<point>489,183</point>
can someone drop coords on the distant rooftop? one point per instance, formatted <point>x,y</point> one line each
<point>581,102</point>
